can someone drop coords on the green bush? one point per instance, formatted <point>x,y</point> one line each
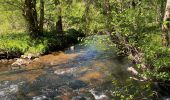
<point>132,90</point>
<point>20,43</point>
<point>72,35</point>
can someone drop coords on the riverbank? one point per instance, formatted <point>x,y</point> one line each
<point>150,64</point>
<point>13,45</point>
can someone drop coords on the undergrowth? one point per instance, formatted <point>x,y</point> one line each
<point>21,43</point>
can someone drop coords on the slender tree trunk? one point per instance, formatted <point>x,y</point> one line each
<point>59,25</point>
<point>133,4</point>
<point>30,15</point>
<point>166,25</point>
<point>41,24</point>
<point>161,11</point>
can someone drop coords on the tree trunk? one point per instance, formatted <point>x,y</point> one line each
<point>133,4</point>
<point>30,15</point>
<point>166,25</point>
<point>162,10</point>
<point>41,24</point>
<point>59,26</point>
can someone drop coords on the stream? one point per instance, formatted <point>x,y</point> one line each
<point>82,72</point>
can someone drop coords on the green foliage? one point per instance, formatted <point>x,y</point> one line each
<point>14,42</point>
<point>9,23</point>
<point>20,43</point>
<point>74,35</point>
<point>140,26</point>
<point>131,90</point>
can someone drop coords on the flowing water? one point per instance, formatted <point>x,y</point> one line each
<point>81,72</point>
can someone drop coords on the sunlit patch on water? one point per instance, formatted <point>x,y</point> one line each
<point>53,59</point>
<point>65,71</point>
<point>92,77</point>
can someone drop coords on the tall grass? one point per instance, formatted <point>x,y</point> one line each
<point>21,43</point>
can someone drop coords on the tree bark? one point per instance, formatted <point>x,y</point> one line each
<point>162,7</point>
<point>166,25</point>
<point>41,24</point>
<point>30,15</point>
<point>59,25</point>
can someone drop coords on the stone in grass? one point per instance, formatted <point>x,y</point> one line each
<point>30,56</point>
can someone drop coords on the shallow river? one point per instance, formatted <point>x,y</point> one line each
<point>81,72</point>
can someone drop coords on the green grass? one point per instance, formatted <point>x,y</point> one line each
<point>21,43</point>
<point>16,42</point>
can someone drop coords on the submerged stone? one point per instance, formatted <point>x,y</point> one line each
<point>77,84</point>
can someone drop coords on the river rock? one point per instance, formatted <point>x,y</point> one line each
<point>2,55</point>
<point>65,71</point>
<point>99,96</point>
<point>21,62</point>
<point>36,59</point>
<point>3,60</point>
<point>30,56</point>
<point>11,89</point>
<point>77,84</point>
<point>42,97</point>
<point>72,48</point>
<point>80,98</point>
